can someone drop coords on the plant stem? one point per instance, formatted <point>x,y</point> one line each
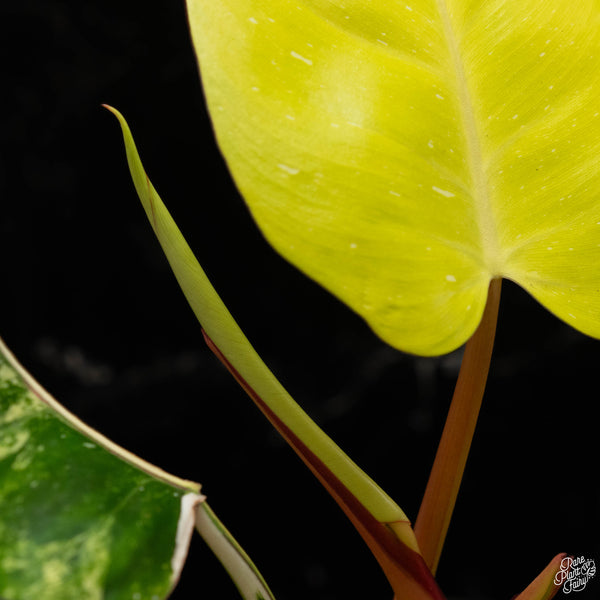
<point>440,495</point>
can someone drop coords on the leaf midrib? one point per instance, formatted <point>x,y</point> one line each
<point>480,186</point>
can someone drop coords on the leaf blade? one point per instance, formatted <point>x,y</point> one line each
<point>392,151</point>
<point>76,512</point>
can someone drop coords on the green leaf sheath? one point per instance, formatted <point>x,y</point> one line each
<point>77,520</point>
<point>404,153</point>
<point>229,339</point>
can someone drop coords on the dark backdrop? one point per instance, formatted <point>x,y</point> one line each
<point>89,305</point>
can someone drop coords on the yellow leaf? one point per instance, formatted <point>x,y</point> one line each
<point>403,154</point>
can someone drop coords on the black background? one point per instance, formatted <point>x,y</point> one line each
<point>89,305</point>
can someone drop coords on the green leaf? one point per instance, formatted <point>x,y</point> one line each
<point>403,154</point>
<point>81,517</point>
<point>84,518</point>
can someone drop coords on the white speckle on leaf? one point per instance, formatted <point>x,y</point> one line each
<point>393,193</point>
<point>255,89</point>
<point>302,58</point>
<point>440,97</point>
<point>430,143</point>
<point>288,170</point>
<point>382,42</point>
<point>515,117</point>
<point>290,117</point>
<point>253,20</point>
<point>33,484</point>
<point>542,54</point>
<point>444,193</point>
<point>451,278</point>
<point>334,124</point>
<point>88,445</point>
<point>353,245</point>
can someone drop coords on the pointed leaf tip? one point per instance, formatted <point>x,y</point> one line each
<point>546,584</point>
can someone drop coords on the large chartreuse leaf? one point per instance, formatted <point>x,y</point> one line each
<point>83,519</point>
<point>403,153</point>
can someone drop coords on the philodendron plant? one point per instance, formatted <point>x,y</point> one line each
<point>405,155</point>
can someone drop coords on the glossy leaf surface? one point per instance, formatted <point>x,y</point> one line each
<point>84,518</point>
<point>403,153</point>
<point>81,517</point>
